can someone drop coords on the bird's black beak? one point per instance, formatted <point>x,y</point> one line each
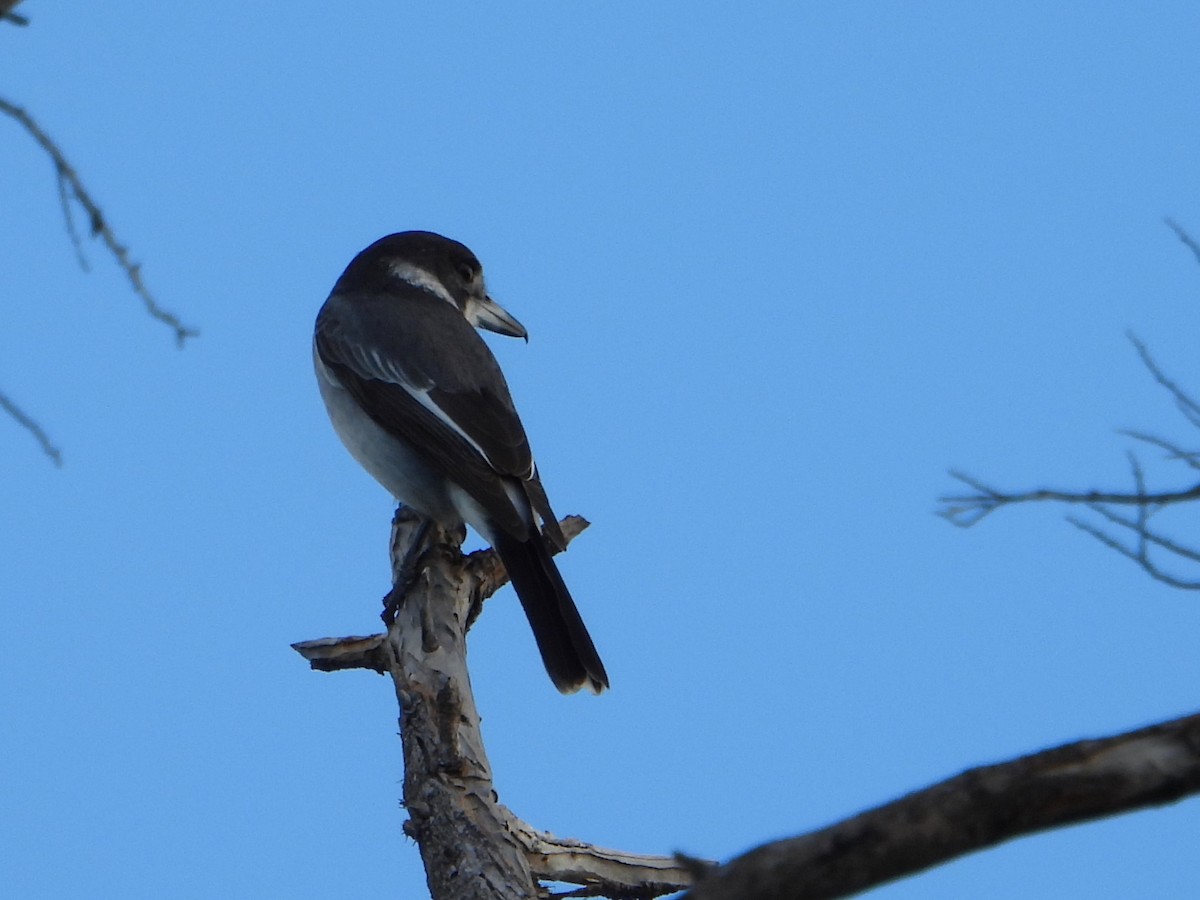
<point>489,314</point>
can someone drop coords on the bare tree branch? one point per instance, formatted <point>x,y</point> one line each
<point>483,568</point>
<point>32,427</point>
<point>475,847</point>
<point>980,808</point>
<point>472,845</point>
<point>98,225</point>
<point>71,188</point>
<point>1145,537</point>
<point>965,510</point>
<point>1139,553</point>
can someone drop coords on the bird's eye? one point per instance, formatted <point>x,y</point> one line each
<point>466,273</point>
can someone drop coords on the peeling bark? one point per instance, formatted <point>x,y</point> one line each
<point>472,845</point>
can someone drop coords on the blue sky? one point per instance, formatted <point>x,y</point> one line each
<point>782,267</point>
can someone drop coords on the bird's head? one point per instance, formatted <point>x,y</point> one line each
<point>442,267</point>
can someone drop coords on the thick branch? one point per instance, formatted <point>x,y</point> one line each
<point>980,808</point>
<point>472,846</point>
<point>483,569</point>
<point>453,812</point>
<point>98,224</point>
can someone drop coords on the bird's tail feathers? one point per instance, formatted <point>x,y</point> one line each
<point>567,650</point>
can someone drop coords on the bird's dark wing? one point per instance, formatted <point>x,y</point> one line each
<point>455,409</point>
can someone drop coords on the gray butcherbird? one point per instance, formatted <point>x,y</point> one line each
<point>418,399</point>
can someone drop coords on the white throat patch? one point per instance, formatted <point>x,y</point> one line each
<point>419,278</point>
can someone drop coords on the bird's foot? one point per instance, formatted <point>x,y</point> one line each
<point>405,574</point>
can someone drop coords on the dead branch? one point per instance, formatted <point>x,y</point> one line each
<point>71,188</point>
<point>965,510</point>
<point>69,181</point>
<point>472,845</point>
<point>980,808</point>
<point>340,654</point>
<point>1144,538</point>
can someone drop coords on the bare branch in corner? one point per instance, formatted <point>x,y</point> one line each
<point>72,188</point>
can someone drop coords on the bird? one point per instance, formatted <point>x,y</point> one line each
<point>418,399</point>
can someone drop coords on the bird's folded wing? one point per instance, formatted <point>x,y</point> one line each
<point>468,432</point>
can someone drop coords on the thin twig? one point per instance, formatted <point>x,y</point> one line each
<point>1183,236</point>
<point>1189,407</point>
<point>1175,453</point>
<point>64,199</point>
<point>1143,509</point>
<point>33,428</point>
<point>964,510</point>
<point>1140,556</point>
<point>1145,534</point>
<point>99,226</point>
